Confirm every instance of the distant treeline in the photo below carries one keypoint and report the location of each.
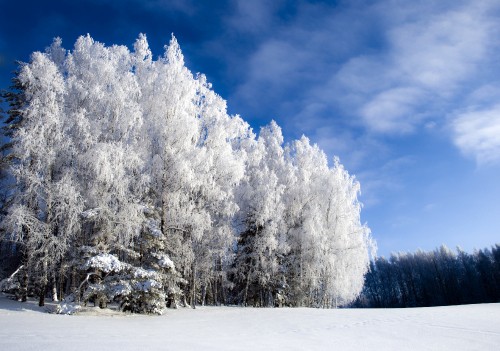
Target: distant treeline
(438, 278)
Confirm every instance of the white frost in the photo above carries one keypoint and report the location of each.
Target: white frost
(105, 263)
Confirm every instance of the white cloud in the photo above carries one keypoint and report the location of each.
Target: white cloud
(273, 69)
(427, 58)
(378, 182)
(356, 150)
(393, 110)
(485, 95)
(477, 134)
(253, 16)
(439, 50)
(363, 75)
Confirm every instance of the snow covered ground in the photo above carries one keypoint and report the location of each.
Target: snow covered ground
(472, 327)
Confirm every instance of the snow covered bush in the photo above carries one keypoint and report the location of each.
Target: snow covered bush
(136, 289)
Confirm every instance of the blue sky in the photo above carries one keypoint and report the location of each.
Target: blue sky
(406, 93)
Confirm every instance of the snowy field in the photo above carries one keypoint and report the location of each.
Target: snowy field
(471, 327)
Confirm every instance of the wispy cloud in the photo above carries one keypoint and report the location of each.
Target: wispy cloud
(393, 110)
(477, 134)
(438, 50)
(385, 178)
(427, 59)
(254, 16)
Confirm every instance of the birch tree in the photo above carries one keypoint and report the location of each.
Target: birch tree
(261, 242)
(44, 215)
(134, 161)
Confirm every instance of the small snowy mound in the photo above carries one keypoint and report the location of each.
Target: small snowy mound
(66, 308)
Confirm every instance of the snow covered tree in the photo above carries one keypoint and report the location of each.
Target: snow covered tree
(44, 212)
(261, 243)
(14, 98)
(194, 163)
(329, 247)
(134, 185)
(104, 100)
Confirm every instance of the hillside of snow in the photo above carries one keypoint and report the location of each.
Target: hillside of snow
(25, 326)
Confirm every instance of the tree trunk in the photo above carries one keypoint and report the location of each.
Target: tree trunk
(193, 287)
(223, 292)
(216, 298)
(54, 288)
(24, 286)
(246, 290)
(23, 291)
(61, 284)
(44, 280)
(43, 290)
(203, 294)
(74, 285)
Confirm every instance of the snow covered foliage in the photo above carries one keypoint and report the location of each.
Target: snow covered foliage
(135, 185)
(136, 289)
(104, 262)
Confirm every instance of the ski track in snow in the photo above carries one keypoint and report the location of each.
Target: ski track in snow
(25, 326)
